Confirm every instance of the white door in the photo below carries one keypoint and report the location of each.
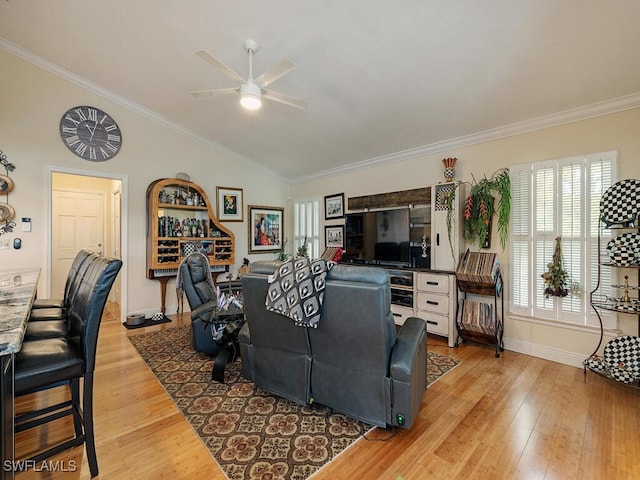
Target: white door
(77, 223)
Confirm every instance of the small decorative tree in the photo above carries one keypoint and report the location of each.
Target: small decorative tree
(556, 278)
(281, 255)
(303, 250)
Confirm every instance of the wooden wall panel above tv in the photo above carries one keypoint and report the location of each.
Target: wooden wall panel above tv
(391, 199)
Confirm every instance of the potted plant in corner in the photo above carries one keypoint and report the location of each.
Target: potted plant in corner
(480, 207)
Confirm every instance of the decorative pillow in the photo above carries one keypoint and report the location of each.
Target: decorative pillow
(296, 290)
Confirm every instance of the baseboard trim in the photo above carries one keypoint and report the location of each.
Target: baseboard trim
(549, 353)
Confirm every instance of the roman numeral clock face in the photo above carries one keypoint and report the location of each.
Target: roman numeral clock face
(90, 133)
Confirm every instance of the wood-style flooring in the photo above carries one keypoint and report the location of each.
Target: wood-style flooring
(513, 417)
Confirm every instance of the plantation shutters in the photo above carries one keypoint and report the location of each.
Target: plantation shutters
(306, 224)
(551, 199)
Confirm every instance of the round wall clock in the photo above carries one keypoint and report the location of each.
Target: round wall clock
(90, 133)
(6, 184)
(6, 213)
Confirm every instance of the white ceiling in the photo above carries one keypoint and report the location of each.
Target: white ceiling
(383, 79)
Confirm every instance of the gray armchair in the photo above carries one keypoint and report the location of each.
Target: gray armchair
(194, 279)
(355, 361)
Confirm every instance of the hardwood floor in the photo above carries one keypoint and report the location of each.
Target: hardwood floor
(513, 417)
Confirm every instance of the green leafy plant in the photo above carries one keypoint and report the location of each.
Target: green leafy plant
(281, 255)
(480, 207)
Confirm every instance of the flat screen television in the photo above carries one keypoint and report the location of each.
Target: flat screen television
(380, 237)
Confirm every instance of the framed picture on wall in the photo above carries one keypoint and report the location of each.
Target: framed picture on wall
(334, 236)
(265, 229)
(334, 206)
(229, 204)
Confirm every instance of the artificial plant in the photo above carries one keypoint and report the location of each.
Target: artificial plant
(281, 255)
(479, 208)
(303, 250)
(556, 278)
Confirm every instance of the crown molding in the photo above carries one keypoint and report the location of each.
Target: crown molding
(619, 104)
(568, 116)
(65, 74)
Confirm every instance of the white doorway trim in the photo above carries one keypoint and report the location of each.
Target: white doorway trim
(49, 171)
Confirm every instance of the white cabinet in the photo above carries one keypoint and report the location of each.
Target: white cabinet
(445, 253)
(435, 295)
(400, 313)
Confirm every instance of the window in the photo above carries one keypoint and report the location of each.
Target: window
(306, 225)
(559, 198)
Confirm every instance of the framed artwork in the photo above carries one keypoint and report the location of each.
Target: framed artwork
(229, 204)
(334, 236)
(265, 229)
(334, 206)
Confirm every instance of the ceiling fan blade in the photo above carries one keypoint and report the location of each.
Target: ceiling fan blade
(209, 58)
(211, 93)
(286, 99)
(275, 72)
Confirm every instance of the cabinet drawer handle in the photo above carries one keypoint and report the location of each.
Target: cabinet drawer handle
(432, 283)
(431, 302)
(431, 322)
(397, 315)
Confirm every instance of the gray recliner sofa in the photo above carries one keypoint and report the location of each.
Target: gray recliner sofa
(355, 362)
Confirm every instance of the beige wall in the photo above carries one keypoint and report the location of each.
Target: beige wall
(611, 132)
(33, 100)
(31, 103)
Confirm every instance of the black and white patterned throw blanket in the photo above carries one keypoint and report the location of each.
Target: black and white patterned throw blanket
(296, 290)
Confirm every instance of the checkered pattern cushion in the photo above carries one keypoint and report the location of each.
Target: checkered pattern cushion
(620, 203)
(620, 361)
(624, 249)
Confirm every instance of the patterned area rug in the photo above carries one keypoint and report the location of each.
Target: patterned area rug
(251, 433)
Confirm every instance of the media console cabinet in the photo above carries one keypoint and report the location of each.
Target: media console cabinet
(419, 291)
(427, 294)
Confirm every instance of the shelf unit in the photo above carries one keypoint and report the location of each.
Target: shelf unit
(627, 303)
(181, 221)
(477, 319)
(402, 294)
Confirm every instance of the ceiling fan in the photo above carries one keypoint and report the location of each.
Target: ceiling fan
(251, 90)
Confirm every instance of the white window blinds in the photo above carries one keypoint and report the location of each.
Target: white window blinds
(559, 198)
(306, 225)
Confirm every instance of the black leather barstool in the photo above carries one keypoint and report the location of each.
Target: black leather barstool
(56, 362)
(52, 322)
(53, 308)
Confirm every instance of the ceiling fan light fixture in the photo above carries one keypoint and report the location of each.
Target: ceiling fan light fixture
(250, 96)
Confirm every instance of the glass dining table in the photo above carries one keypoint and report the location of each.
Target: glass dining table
(17, 290)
